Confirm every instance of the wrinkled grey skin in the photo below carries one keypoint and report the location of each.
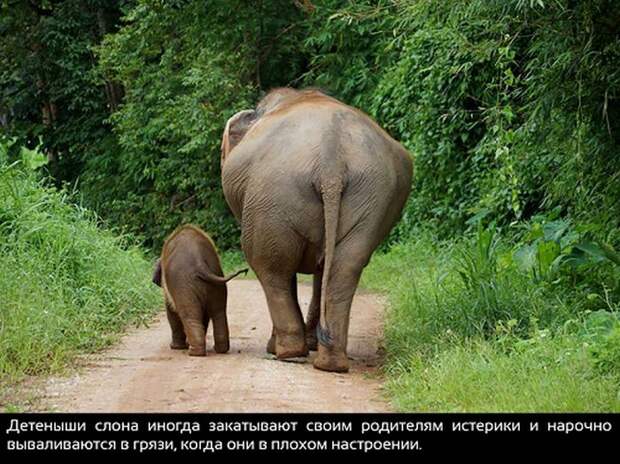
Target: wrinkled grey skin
(316, 186)
(191, 277)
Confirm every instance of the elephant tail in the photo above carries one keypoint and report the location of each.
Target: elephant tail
(331, 192)
(209, 277)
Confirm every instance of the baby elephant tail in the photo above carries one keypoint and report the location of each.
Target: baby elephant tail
(211, 278)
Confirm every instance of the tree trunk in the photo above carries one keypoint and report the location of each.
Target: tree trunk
(113, 90)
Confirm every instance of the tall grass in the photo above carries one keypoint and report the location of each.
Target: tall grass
(67, 286)
(467, 331)
(550, 375)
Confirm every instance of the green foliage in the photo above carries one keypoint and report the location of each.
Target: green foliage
(508, 106)
(438, 296)
(469, 329)
(602, 334)
(185, 67)
(48, 90)
(546, 375)
(607, 353)
(170, 74)
(178, 94)
(564, 256)
(68, 286)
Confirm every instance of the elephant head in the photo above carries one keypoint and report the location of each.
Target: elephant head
(238, 125)
(236, 128)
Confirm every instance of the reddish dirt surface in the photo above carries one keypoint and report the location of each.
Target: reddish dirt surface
(141, 374)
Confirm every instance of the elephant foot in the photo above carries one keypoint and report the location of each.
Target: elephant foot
(271, 345)
(288, 354)
(178, 345)
(197, 351)
(331, 361)
(221, 347)
(290, 346)
(298, 360)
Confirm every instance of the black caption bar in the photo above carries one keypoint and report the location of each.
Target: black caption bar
(216, 434)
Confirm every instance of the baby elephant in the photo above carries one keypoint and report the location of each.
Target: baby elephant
(190, 274)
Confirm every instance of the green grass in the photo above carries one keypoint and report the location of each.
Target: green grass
(232, 261)
(67, 285)
(466, 331)
(554, 375)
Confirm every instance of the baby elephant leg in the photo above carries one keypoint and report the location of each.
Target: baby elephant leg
(196, 335)
(215, 309)
(190, 313)
(179, 341)
(220, 332)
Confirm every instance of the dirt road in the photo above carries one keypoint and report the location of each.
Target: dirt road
(143, 374)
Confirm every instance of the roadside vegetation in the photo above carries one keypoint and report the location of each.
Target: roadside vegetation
(68, 286)
(481, 325)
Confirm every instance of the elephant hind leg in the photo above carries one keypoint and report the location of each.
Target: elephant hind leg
(275, 251)
(286, 316)
(196, 335)
(349, 260)
(220, 332)
(190, 312)
(312, 318)
(179, 341)
(214, 309)
(271, 344)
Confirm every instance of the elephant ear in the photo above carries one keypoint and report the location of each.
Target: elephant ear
(236, 128)
(157, 273)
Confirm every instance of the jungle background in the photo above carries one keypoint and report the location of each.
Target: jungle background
(503, 276)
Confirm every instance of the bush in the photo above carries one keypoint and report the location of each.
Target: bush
(186, 67)
(461, 288)
(606, 353)
(548, 374)
(469, 329)
(507, 106)
(68, 286)
(601, 333)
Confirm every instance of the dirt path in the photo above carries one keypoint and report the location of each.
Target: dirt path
(142, 374)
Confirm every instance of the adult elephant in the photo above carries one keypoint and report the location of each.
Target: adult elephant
(316, 186)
